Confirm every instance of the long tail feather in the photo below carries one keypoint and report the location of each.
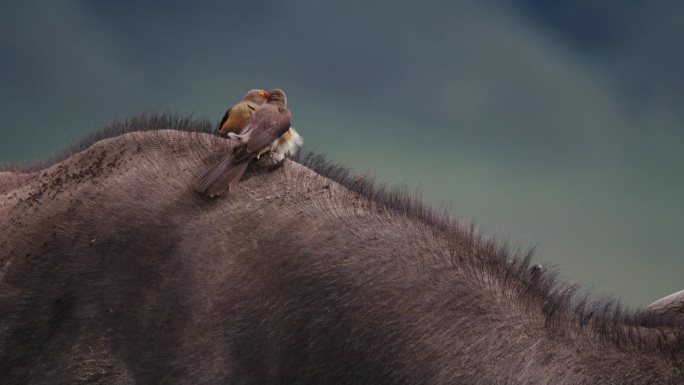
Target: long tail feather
(223, 175)
(236, 173)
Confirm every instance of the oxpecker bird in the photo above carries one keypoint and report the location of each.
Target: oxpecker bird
(266, 126)
(236, 117)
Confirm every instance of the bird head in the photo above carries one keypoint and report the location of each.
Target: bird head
(256, 96)
(277, 97)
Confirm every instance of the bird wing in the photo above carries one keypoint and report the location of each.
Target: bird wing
(225, 117)
(268, 124)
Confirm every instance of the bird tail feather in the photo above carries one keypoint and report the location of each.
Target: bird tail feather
(223, 175)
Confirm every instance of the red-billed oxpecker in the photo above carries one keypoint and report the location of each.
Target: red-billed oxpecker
(268, 123)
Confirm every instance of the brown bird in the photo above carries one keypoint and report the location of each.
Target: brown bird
(268, 123)
(236, 117)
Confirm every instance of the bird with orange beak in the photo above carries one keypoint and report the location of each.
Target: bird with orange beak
(268, 124)
(236, 117)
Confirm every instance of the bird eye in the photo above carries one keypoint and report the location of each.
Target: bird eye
(262, 94)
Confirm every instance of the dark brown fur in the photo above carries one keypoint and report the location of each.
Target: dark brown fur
(113, 270)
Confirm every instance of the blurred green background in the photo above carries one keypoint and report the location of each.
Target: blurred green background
(549, 123)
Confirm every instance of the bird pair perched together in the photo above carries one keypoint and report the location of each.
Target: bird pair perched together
(259, 124)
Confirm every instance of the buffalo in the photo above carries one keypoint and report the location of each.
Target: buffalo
(114, 270)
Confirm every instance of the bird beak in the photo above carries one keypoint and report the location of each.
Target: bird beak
(266, 95)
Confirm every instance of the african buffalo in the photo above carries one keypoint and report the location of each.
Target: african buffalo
(113, 270)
